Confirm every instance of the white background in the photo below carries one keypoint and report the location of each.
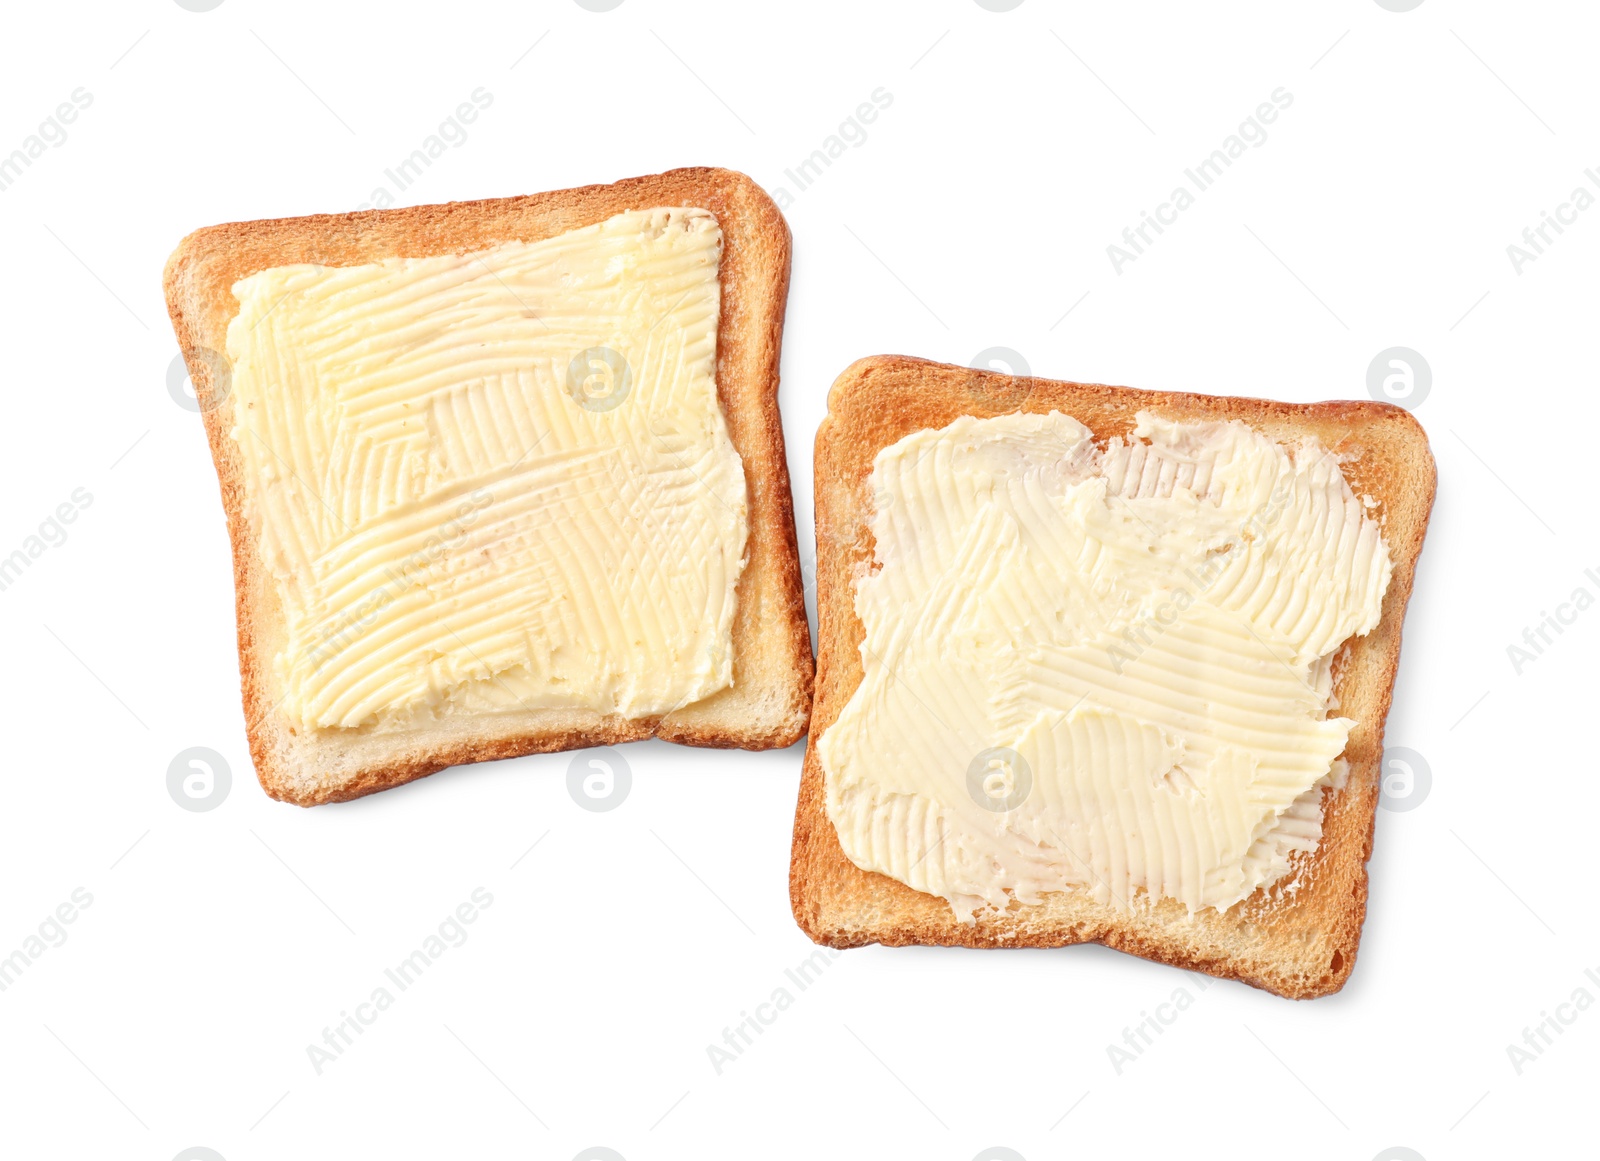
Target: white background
(178, 1010)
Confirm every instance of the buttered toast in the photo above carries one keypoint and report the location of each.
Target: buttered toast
(1103, 665)
(502, 477)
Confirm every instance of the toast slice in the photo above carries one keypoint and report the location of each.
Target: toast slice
(768, 702)
(1296, 937)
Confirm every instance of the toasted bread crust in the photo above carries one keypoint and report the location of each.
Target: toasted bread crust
(1297, 938)
(773, 668)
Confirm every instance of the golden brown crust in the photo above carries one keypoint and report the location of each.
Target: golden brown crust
(1298, 938)
(771, 698)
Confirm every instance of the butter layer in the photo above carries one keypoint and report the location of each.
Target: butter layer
(1093, 670)
(495, 481)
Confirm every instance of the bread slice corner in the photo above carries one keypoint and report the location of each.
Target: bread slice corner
(769, 704)
(1297, 938)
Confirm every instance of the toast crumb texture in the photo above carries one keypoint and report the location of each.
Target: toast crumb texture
(1297, 938)
(769, 702)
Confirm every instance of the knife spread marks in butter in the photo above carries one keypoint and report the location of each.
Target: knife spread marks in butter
(1099, 670)
(494, 481)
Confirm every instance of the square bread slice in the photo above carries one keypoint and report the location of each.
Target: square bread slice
(1297, 937)
(768, 702)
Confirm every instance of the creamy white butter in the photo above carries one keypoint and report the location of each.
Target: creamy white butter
(498, 480)
(1097, 670)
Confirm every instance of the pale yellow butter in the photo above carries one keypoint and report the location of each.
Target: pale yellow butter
(495, 481)
(1093, 670)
